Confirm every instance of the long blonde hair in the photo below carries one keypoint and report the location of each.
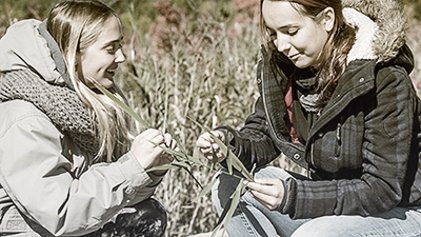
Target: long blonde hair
(75, 25)
(332, 61)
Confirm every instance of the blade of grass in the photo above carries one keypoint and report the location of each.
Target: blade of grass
(163, 167)
(136, 116)
(207, 188)
(185, 165)
(230, 207)
(121, 104)
(231, 159)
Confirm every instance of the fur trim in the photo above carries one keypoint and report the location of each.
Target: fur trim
(363, 47)
(390, 19)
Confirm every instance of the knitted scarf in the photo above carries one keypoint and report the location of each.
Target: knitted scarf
(59, 103)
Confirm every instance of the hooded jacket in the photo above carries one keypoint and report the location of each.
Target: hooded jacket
(44, 176)
(362, 150)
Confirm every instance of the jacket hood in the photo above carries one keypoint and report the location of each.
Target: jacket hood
(28, 45)
(383, 37)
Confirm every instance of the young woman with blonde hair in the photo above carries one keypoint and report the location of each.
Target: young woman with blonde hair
(69, 165)
(336, 98)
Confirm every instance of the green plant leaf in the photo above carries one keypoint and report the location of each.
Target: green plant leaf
(122, 105)
(235, 201)
(163, 167)
(142, 122)
(230, 207)
(231, 159)
(208, 187)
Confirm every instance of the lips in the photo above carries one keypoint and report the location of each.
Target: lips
(293, 57)
(111, 72)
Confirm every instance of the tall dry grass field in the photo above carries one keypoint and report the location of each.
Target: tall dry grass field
(189, 59)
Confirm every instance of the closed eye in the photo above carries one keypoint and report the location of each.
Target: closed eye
(272, 34)
(292, 31)
(113, 47)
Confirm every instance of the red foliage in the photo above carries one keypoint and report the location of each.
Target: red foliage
(167, 23)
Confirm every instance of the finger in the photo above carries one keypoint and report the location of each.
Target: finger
(202, 142)
(215, 147)
(218, 134)
(212, 149)
(266, 200)
(167, 139)
(261, 188)
(209, 156)
(166, 158)
(149, 134)
(157, 141)
(220, 155)
(266, 181)
(207, 150)
(159, 138)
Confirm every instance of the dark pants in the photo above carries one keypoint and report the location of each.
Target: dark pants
(145, 219)
(148, 220)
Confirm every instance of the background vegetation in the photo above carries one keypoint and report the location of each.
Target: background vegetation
(193, 58)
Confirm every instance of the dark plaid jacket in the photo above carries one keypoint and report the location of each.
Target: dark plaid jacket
(363, 150)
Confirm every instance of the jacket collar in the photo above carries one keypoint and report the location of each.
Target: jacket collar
(358, 80)
(55, 53)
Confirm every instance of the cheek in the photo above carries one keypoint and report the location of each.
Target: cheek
(319, 40)
(88, 67)
(91, 66)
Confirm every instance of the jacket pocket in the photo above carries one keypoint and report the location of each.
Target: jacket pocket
(339, 147)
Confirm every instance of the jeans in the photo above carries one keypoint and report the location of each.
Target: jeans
(253, 219)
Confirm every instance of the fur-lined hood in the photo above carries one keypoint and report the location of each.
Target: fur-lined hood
(388, 35)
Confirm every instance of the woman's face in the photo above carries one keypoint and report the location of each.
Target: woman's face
(297, 36)
(100, 60)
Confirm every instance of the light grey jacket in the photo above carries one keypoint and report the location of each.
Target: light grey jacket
(42, 173)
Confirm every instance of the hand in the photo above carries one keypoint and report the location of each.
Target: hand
(208, 146)
(148, 153)
(269, 192)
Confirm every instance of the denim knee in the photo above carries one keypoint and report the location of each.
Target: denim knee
(328, 226)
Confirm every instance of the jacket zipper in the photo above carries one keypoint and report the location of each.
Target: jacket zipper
(270, 122)
(265, 107)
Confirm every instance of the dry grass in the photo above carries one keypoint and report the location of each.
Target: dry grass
(181, 63)
(207, 75)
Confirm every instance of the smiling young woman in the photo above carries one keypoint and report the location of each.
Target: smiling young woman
(70, 165)
(336, 98)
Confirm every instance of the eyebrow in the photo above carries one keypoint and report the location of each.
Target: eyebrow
(285, 27)
(114, 41)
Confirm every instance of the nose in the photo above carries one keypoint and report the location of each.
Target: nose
(119, 56)
(282, 44)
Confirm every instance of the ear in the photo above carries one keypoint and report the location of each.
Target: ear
(328, 18)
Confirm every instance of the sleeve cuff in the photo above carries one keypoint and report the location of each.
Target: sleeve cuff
(133, 172)
(288, 201)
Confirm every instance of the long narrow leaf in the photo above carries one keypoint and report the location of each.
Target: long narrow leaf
(163, 167)
(235, 201)
(234, 161)
(181, 157)
(122, 105)
(182, 163)
(207, 188)
(230, 207)
(230, 157)
(139, 119)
